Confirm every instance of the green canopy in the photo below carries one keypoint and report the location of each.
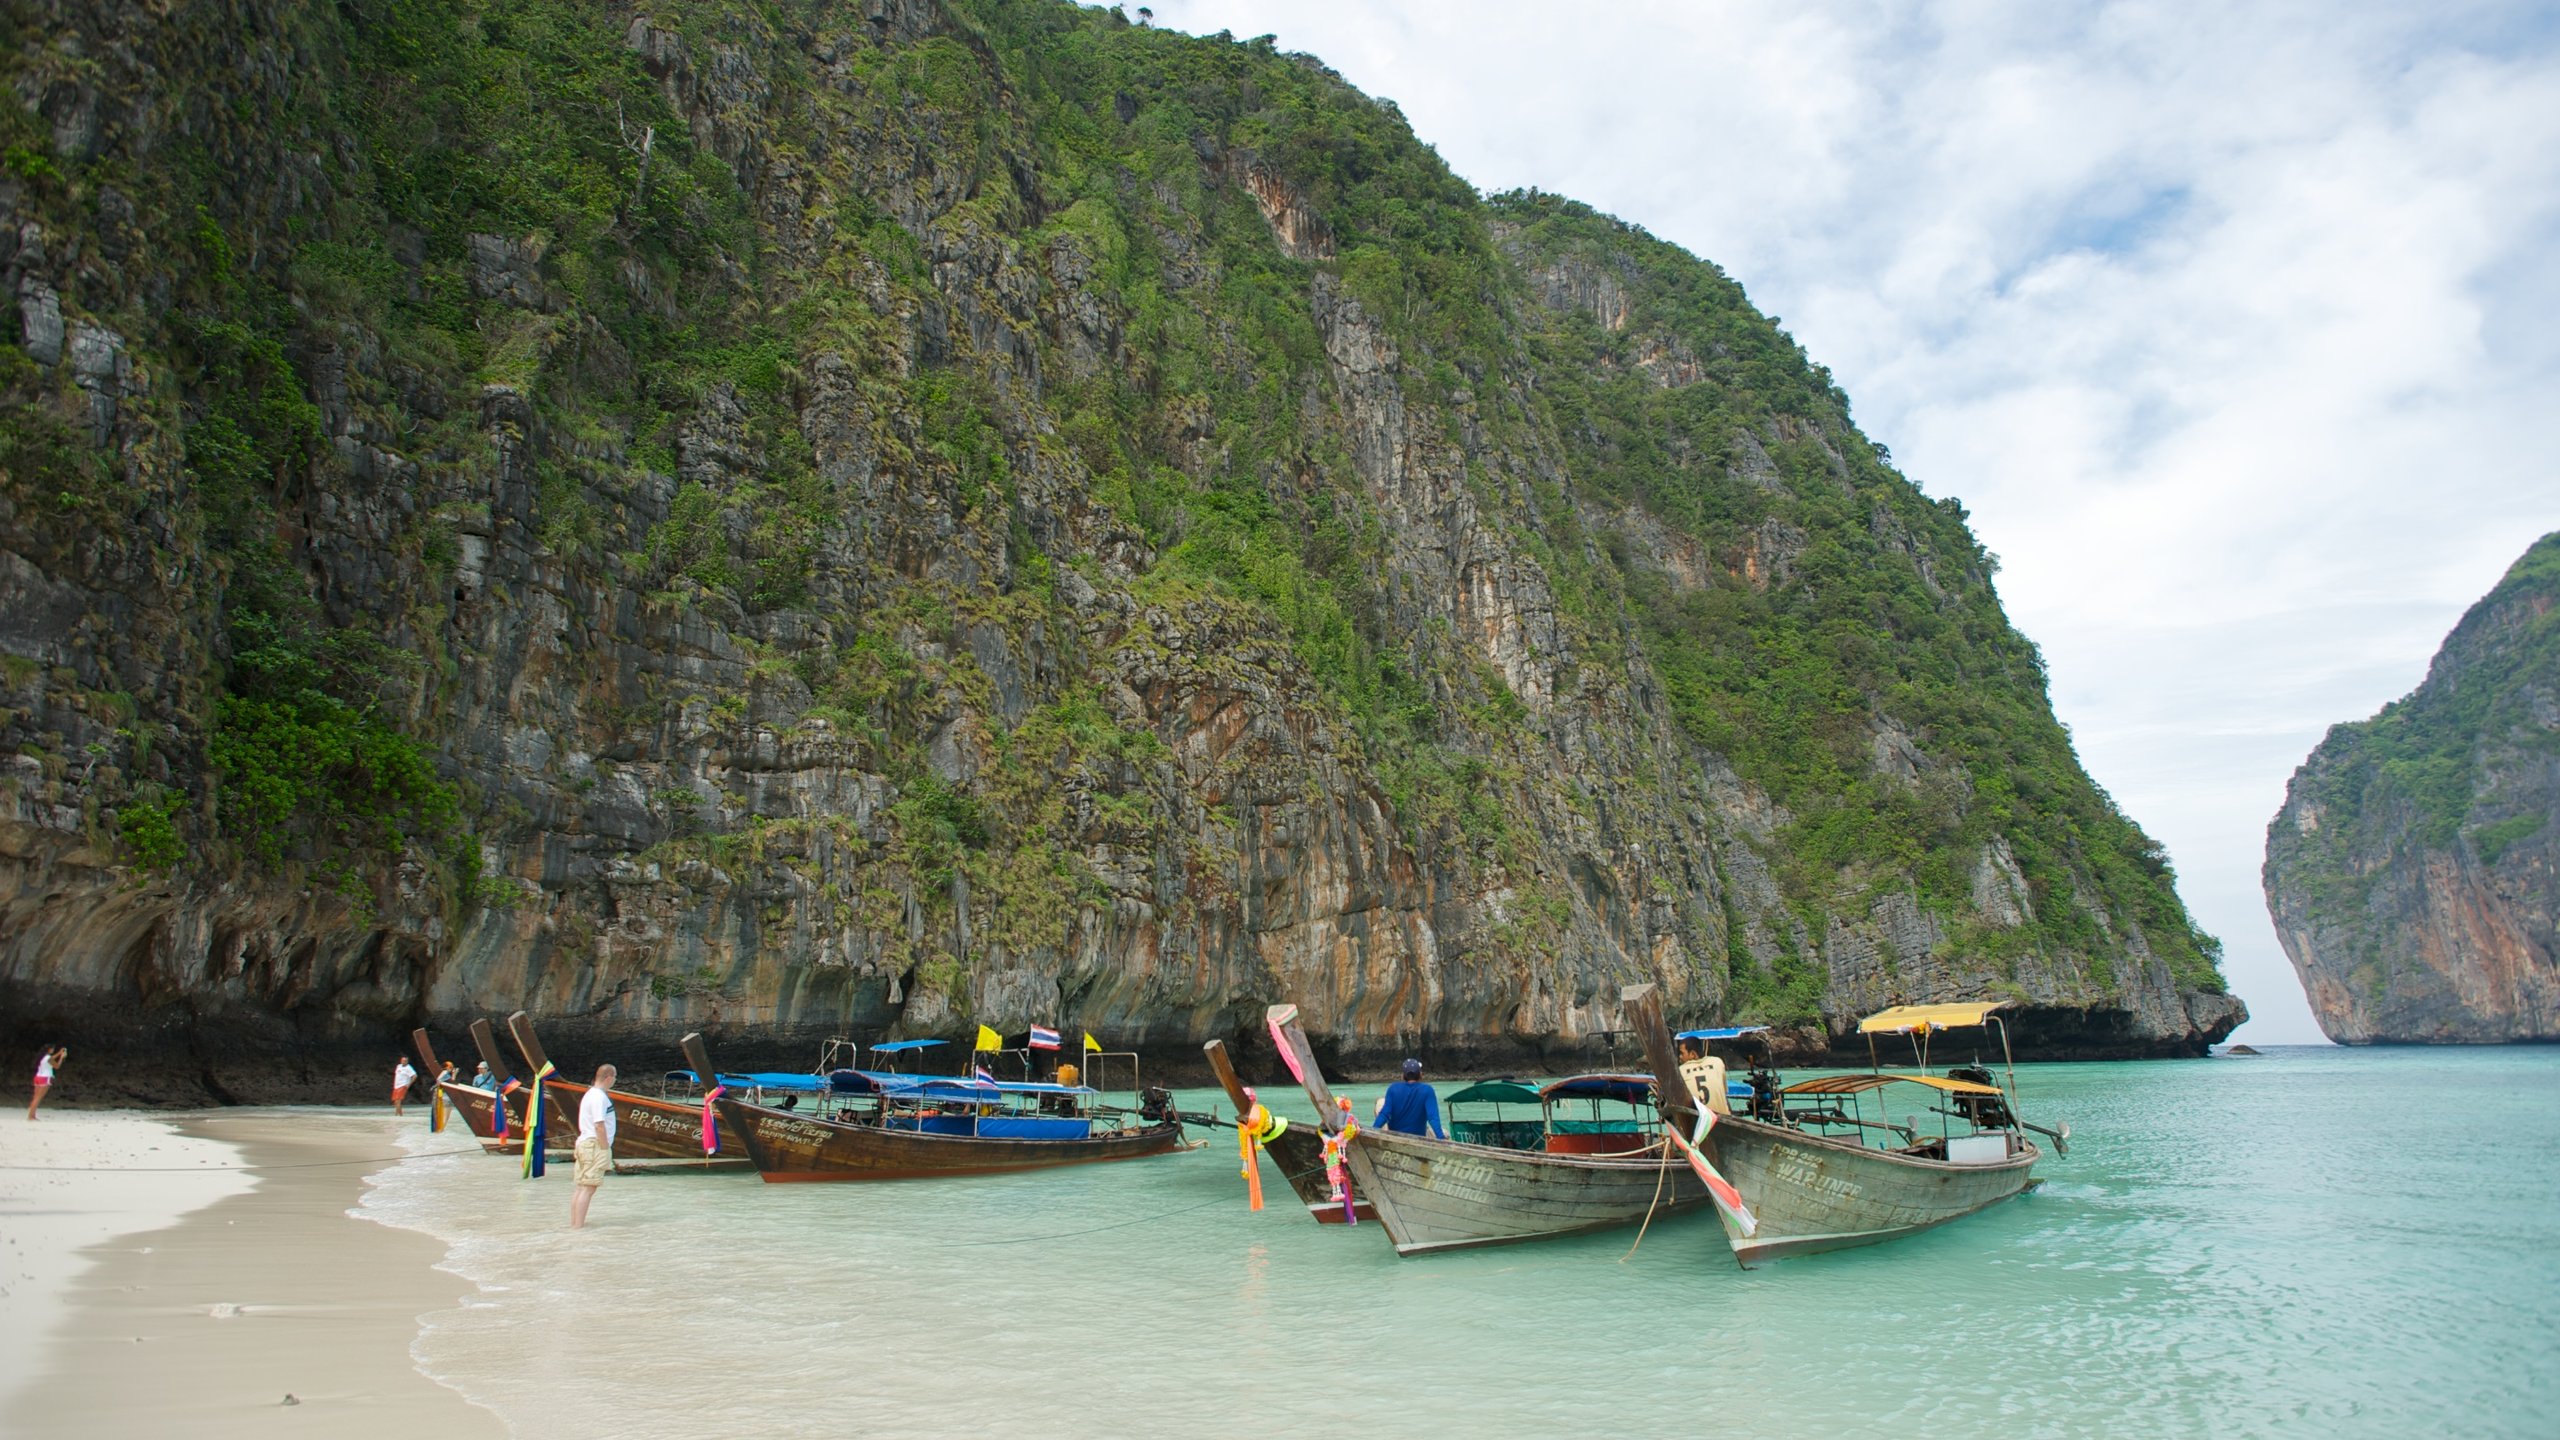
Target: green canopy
(1505, 1092)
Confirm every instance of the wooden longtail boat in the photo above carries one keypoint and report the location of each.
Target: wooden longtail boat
(1809, 1190)
(1298, 1150)
(512, 1094)
(476, 1108)
(1433, 1194)
(904, 1127)
(649, 1133)
(480, 1108)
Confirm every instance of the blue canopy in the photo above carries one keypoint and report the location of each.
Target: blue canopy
(776, 1080)
(1726, 1033)
(1626, 1089)
(961, 1088)
(894, 1046)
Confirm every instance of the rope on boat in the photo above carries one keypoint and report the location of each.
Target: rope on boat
(1658, 1177)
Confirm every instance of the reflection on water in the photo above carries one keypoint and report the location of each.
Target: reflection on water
(2361, 1242)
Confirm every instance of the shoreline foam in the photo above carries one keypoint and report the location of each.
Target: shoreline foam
(201, 1322)
(70, 1184)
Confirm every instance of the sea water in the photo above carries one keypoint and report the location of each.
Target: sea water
(2316, 1241)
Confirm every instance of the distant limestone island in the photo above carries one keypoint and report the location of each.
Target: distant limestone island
(2414, 871)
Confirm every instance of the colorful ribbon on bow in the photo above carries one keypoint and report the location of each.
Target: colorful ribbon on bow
(1729, 1207)
(1337, 1147)
(533, 1119)
(435, 1110)
(1288, 1052)
(1258, 1127)
(710, 1126)
(505, 1122)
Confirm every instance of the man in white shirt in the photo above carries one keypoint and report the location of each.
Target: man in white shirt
(594, 1150)
(403, 1075)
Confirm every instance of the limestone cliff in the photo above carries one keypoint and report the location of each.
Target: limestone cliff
(868, 518)
(2414, 871)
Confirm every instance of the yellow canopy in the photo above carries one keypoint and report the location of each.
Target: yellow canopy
(1854, 1084)
(1903, 1018)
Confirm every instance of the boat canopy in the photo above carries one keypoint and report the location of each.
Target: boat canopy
(895, 1046)
(1629, 1089)
(775, 1080)
(1903, 1019)
(1725, 1032)
(1499, 1092)
(1858, 1084)
(900, 1087)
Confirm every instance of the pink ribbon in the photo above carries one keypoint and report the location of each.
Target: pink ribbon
(1288, 1052)
(710, 1127)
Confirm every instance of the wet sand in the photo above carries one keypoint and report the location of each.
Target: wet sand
(201, 1327)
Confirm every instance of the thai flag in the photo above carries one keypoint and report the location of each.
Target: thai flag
(981, 1072)
(1043, 1039)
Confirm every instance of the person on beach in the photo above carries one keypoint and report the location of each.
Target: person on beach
(594, 1150)
(403, 1075)
(46, 1061)
(1410, 1107)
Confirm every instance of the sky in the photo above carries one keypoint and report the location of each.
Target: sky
(2235, 325)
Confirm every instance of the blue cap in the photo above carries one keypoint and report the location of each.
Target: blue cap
(1412, 1068)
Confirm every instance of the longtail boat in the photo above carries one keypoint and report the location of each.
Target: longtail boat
(1297, 1150)
(511, 1092)
(1433, 1194)
(476, 1108)
(874, 1125)
(652, 1133)
(1816, 1171)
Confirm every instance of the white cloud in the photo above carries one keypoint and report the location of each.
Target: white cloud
(2231, 324)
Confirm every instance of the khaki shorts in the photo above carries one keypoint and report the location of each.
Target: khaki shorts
(595, 1161)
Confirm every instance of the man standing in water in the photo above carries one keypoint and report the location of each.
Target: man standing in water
(1410, 1107)
(403, 1075)
(596, 1127)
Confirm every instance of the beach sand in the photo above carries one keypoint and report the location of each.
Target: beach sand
(200, 1323)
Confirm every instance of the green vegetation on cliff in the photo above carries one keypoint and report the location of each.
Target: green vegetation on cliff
(2418, 768)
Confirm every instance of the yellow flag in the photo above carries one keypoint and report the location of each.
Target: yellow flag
(989, 1040)
(1092, 1044)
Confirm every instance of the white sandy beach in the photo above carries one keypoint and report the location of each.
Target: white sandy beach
(181, 1274)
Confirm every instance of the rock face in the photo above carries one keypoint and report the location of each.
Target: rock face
(874, 518)
(2414, 872)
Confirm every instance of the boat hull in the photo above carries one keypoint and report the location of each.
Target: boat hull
(1809, 1193)
(657, 1134)
(1299, 1152)
(788, 1147)
(478, 1111)
(1442, 1195)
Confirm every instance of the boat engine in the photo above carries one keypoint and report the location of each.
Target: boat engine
(1765, 1104)
(1155, 1105)
(1987, 1112)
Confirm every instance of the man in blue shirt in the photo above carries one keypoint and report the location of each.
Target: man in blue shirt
(1410, 1107)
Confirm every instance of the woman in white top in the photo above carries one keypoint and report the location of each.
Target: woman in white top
(46, 1060)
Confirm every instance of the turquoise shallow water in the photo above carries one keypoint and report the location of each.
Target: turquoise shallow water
(2317, 1241)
